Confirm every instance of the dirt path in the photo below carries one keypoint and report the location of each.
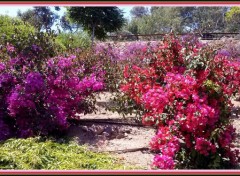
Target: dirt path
(236, 121)
(128, 143)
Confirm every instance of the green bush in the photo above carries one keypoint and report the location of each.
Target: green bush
(74, 40)
(14, 30)
(37, 153)
(21, 35)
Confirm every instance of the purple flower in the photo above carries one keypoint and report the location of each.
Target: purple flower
(224, 52)
(2, 66)
(61, 118)
(50, 63)
(18, 103)
(98, 86)
(34, 82)
(65, 62)
(5, 131)
(41, 101)
(6, 79)
(10, 48)
(14, 61)
(36, 48)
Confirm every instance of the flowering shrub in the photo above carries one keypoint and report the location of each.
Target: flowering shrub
(115, 57)
(126, 51)
(228, 47)
(39, 96)
(185, 91)
(22, 36)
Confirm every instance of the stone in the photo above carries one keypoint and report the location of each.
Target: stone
(120, 135)
(85, 128)
(128, 131)
(99, 130)
(108, 129)
(106, 134)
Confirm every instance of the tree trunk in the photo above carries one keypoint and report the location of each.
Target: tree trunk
(92, 37)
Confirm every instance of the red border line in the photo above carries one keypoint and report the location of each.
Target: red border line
(137, 172)
(89, 3)
(120, 172)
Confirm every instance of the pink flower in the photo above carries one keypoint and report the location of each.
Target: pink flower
(204, 147)
(227, 136)
(2, 66)
(163, 162)
(10, 48)
(165, 142)
(155, 99)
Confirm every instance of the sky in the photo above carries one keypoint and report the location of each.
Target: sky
(12, 10)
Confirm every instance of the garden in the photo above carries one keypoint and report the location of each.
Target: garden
(71, 103)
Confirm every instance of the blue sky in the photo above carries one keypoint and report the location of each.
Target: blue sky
(11, 10)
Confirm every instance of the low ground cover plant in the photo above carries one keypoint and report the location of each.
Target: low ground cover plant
(39, 153)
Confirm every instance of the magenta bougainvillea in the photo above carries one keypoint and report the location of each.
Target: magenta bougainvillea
(39, 96)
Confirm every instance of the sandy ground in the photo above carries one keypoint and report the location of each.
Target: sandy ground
(109, 138)
(236, 121)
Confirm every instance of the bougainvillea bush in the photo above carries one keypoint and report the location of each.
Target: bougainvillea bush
(185, 92)
(115, 57)
(126, 51)
(227, 46)
(39, 94)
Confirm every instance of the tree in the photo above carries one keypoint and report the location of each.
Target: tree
(233, 19)
(182, 20)
(97, 20)
(167, 19)
(14, 31)
(133, 26)
(161, 20)
(139, 11)
(203, 19)
(67, 25)
(40, 17)
(186, 14)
